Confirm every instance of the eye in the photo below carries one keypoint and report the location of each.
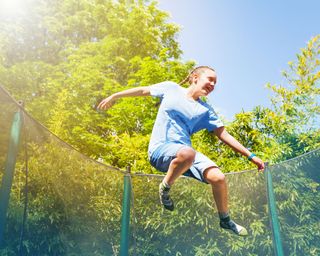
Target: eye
(211, 79)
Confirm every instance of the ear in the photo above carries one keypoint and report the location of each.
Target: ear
(195, 78)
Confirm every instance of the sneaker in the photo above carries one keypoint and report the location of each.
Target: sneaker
(231, 225)
(165, 199)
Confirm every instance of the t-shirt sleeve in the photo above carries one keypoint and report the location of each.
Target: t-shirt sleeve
(159, 90)
(214, 121)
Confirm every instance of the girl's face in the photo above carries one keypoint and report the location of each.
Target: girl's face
(205, 81)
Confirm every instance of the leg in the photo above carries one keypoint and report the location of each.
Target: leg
(180, 164)
(216, 178)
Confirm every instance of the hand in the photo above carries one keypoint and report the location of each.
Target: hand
(258, 162)
(106, 103)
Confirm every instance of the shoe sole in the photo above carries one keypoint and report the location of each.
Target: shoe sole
(242, 233)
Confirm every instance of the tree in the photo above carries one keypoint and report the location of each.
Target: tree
(294, 119)
(83, 51)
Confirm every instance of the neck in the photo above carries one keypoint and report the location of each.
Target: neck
(192, 93)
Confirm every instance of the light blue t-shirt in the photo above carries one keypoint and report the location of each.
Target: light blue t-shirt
(179, 116)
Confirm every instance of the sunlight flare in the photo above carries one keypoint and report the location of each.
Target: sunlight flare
(11, 8)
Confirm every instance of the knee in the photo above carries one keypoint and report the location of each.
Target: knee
(215, 176)
(186, 155)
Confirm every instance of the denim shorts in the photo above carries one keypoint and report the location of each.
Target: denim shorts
(165, 153)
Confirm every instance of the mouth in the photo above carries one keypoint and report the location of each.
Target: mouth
(208, 89)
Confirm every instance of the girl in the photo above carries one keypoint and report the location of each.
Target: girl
(182, 113)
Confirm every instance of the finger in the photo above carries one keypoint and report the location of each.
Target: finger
(101, 104)
(106, 105)
(261, 168)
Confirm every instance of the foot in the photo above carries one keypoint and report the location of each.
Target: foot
(165, 199)
(231, 225)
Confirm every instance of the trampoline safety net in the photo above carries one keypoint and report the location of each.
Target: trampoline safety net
(61, 202)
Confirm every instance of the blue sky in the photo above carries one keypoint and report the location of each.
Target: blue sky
(248, 42)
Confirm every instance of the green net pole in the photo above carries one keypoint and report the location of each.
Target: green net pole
(125, 218)
(273, 214)
(9, 170)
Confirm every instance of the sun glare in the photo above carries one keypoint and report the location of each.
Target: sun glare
(11, 8)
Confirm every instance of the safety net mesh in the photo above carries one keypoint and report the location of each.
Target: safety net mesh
(193, 227)
(296, 185)
(74, 204)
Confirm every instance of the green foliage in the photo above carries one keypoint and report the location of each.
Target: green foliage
(296, 111)
(193, 229)
(65, 190)
(244, 129)
(85, 51)
(67, 55)
(296, 186)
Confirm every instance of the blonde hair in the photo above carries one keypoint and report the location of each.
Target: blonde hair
(197, 70)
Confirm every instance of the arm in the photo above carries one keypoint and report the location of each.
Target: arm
(109, 101)
(226, 138)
